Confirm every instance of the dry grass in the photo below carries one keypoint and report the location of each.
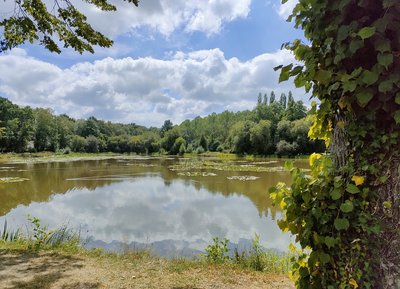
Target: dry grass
(23, 269)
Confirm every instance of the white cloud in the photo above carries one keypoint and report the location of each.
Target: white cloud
(144, 90)
(167, 16)
(284, 10)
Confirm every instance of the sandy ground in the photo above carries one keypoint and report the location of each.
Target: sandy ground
(47, 270)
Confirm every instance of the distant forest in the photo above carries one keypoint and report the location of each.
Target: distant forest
(274, 126)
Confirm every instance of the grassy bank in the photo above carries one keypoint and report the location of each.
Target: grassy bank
(55, 259)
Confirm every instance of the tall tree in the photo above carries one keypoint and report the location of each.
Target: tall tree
(51, 23)
(259, 98)
(283, 100)
(272, 97)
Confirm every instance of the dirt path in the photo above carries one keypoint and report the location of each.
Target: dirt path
(46, 270)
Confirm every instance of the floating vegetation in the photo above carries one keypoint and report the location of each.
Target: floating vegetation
(196, 174)
(243, 178)
(265, 163)
(141, 165)
(5, 169)
(12, 180)
(222, 166)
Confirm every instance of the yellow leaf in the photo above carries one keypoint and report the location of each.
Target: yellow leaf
(353, 283)
(358, 180)
(313, 158)
(282, 204)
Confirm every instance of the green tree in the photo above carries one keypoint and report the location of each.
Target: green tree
(272, 97)
(346, 210)
(240, 137)
(179, 144)
(167, 142)
(260, 137)
(46, 134)
(34, 21)
(166, 127)
(203, 143)
(259, 99)
(78, 143)
(283, 100)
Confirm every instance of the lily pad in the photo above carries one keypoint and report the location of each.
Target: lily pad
(243, 178)
(12, 180)
(196, 174)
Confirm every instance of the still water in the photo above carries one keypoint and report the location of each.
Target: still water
(162, 203)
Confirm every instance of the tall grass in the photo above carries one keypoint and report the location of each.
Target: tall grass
(8, 235)
(257, 258)
(40, 237)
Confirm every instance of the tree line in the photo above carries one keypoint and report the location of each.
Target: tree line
(274, 126)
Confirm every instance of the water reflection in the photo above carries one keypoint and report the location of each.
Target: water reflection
(139, 202)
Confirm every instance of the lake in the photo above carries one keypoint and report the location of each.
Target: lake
(173, 205)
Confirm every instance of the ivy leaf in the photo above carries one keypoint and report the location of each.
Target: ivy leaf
(352, 189)
(347, 206)
(383, 46)
(363, 98)
(369, 77)
(385, 59)
(341, 224)
(336, 194)
(397, 98)
(385, 86)
(367, 32)
(349, 86)
(323, 76)
(397, 117)
(330, 242)
(343, 33)
(324, 258)
(356, 44)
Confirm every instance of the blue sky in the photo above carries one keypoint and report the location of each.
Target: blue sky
(170, 60)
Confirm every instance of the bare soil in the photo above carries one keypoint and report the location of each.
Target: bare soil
(21, 269)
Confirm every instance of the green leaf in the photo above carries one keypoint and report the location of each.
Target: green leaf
(324, 258)
(363, 98)
(323, 76)
(385, 59)
(375, 229)
(369, 77)
(387, 204)
(347, 206)
(367, 32)
(341, 224)
(385, 86)
(356, 44)
(352, 189)
(288, 166)
(343, 33)
(397, 98)
(330, 242)
(383, 45)
(349, 86)
(285, 73)
(397, 117)
(336, 194)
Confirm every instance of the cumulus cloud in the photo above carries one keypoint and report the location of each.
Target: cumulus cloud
(167, 16)
(284, 10)
(145, 90)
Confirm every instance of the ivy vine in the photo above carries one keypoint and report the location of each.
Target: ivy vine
(345, 214)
